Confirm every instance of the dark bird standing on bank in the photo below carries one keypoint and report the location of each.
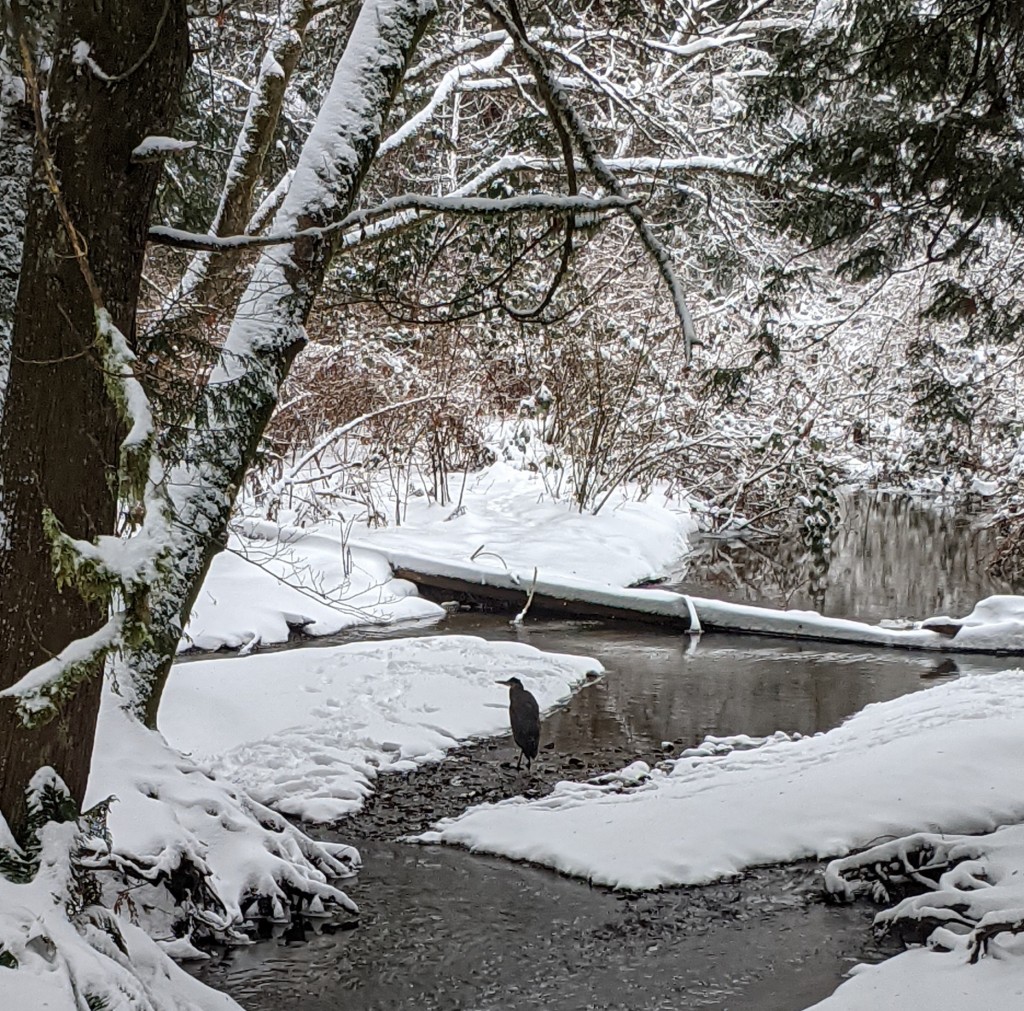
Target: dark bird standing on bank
(524, 714)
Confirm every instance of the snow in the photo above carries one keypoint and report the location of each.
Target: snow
(308, 731)
(158, 147)
(978, 884)
(938, 981)
(996, 622)
(61, 965)
(274, 579)
(81, 54)
(506, 520)
(152, 981)
(959, 749)
(34, 690)
(449, 82)
(169, 811)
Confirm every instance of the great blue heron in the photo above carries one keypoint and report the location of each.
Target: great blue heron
(524, 715)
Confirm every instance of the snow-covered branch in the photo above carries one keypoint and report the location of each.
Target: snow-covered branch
(599, 168)
(447, 86)
(46, 686)
(465, 206)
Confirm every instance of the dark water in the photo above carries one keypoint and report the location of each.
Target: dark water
(445, 929)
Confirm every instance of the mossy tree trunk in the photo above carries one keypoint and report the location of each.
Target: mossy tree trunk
(116, 78)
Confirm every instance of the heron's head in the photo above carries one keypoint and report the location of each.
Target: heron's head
(512, 683)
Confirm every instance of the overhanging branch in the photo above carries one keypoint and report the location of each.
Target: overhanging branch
(465, 206)
(584, 141)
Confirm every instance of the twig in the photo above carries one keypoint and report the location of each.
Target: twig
(521, 616)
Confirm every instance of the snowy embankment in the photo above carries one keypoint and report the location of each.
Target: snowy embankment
(930, 980)
(950, 758)
(275, 578)
(506, 522)
(972, 900)
(307, 731)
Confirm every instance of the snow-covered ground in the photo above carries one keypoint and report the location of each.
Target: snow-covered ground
(506, 518)
(934, 981)
(306, 731)
(272, 580)
(324, 578)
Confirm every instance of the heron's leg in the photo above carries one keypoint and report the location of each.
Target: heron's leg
(519, 761)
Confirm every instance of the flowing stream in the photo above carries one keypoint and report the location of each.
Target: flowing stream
(441, 928)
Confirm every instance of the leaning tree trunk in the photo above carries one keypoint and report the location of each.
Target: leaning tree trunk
(268, 328)
(211, 280)
(116, 78)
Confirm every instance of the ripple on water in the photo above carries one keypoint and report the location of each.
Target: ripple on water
(444, 929)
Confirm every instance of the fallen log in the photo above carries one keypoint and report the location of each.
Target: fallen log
(442, 588)
(468, 583)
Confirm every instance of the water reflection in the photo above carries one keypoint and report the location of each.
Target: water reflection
(891, 557)
(660, 687)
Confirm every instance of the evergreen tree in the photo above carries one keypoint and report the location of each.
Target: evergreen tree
(905, 142)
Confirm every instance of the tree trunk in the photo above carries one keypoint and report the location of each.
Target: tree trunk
(214, 281)
(268, 328)
(16, 134)
(116, 78)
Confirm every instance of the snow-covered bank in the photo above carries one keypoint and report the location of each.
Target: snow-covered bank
(936, 981)
(306, 731)
(967, 899)
(60, 950)
(275, 578)
(951, 757)
(508, 519)
(170, 816)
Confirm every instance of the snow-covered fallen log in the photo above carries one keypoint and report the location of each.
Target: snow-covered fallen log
(996, 625)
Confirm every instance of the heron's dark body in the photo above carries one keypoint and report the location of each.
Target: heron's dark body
(524, 715)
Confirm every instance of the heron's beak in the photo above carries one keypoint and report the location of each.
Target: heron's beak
(505, 683)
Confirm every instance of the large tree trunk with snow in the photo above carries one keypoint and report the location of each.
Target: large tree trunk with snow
(268, 329)
(116, 79)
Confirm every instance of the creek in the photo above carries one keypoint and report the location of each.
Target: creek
(441, 928)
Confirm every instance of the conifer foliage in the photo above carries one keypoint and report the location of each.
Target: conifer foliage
(905, 136)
